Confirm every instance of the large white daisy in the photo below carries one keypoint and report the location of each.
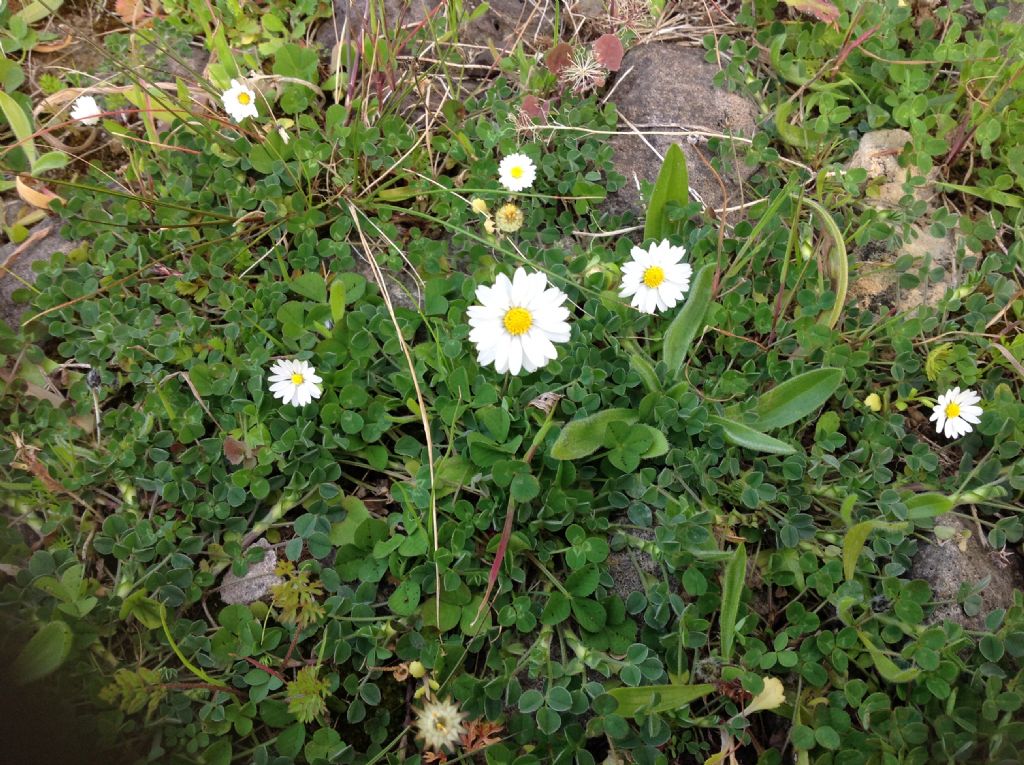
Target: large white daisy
(294, 382)
(655, 277)
(518, 322)
(86, 110)
(956, 412)
(239, 101)
(517, 172)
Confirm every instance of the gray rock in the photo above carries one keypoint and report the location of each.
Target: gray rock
(257, 581)
(875, 283)
(16, 266)
(670, 87)
(878, 153)
(945, 565)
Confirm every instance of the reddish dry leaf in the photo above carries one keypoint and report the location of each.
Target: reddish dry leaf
(535, 108)
(822, 10)
(558, 58)
(480, 734)
(234, 450)
(131, 11)
(608, 51)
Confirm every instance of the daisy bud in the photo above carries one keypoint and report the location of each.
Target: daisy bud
(416, 669)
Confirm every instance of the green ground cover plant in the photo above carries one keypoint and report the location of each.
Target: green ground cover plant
(529, 482)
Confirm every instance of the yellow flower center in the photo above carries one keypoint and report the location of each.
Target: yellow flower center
(440, 726)
(654, 276)
(516, 171)
(517, 321)
(244, 99)
(297, 379)
(952, 410)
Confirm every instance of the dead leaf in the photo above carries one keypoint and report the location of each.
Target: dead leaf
(546, 401)
(37, 198)
(131, 11)
(53, 47)
(235, 451)
(822, 10)
(535, 108)
(559, 57)
(608, 51)
(33, 390)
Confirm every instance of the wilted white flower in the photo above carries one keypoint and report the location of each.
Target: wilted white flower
(239, 101)
(294, 382)
(508, 218)
(518, 322)
(956, 412)
(772, 696)
(86, 110)
(517, 172)
(439, 724)
(655, 277)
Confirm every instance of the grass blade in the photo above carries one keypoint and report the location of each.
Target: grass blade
(732, 591)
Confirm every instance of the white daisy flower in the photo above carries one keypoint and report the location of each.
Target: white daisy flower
(86, 110)
(956, 412)
(239, 101)
(439, 724)
(518, 322)
(655, 277)
(294, 382)
(517, 172)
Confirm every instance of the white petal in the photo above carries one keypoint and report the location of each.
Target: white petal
(515, 356)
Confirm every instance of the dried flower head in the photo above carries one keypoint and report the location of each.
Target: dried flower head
(439, 724)
(583, 72)
(508, 218)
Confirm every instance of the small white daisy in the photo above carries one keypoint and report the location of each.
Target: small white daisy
(956, 412)
(239, 101)
(439, 724)
(86, 110)
(655, 277)
(294, 382)
(518, 322)
(517, 172)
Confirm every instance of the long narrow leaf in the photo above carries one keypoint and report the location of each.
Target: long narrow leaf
(673, 185)
(839, 264)
(732, 591)
(742, 435)
(20, 124)
(669, 697)
(689, 321)
(796, 398)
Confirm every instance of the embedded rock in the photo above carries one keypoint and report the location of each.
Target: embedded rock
(256, 582)
(875, 284)
(878, 153)
(16, 270)
(966, 559)
(669, 87)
